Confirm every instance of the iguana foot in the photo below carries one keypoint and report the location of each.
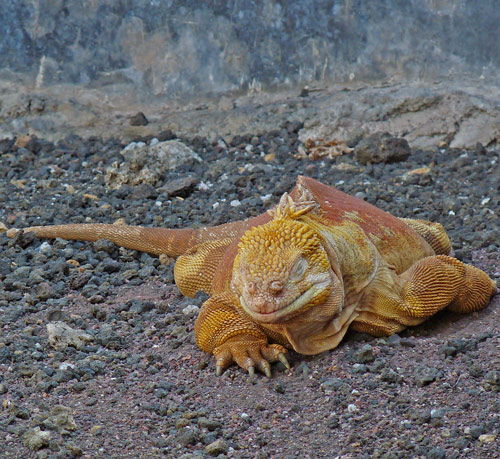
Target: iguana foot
(249, 352)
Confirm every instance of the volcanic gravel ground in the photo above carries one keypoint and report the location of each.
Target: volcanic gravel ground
(139, 386)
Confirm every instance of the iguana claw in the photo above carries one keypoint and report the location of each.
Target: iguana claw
(283, 360)
(219, 369)
(251, 371)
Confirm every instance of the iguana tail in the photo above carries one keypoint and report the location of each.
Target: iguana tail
(151, 240)
(157, 241)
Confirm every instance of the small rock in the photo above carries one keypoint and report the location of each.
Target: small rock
(421, 416)
(97, 429)
(74, 449)
(181, 187)
(279, 387)
(78, 280)
(36, 439)
(388, 375)
(180, 423)
(304, 92)
(426, 375)
(191, 310)
(22, 141)
(302, 369)
(144, 191)
(394, 340)
(148, 163)
(187, 436)
(476, 431)
(352, 408)
(492, 380)
(381, 148)
(487, 438)
(110, 266)
(105, 245)
(44, 291)
(437, 413)
(448, 351)
(365, 354)
(209, 424)
(436, 453)
(360, 368)
(332, 422)
(217, 447)
(167, 134)
(161, 442)
(331, 385)
(139, 119)
(46, 248)
(62, 335)
(62, 418)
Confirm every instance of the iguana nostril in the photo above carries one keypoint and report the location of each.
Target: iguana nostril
(276, 286)
(251, 287)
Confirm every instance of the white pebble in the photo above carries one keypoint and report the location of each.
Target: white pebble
(66, 365)
(202, 186)
(154, 141)
(191, 309)
(235, 203)
(45, 247)
(266, 197)
(130, 146)
(485, 201)
(215, 205)
(352, 408)
(451, 213)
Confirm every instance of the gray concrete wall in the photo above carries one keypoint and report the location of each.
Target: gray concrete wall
(191, 48)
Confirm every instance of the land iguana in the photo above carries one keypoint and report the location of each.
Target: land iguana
(298, 276)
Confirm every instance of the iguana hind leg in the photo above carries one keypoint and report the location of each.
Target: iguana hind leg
(430, 285)
(232, 338)
(434, 283)
(433, 233)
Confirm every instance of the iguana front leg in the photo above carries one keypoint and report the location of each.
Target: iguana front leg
(232, 338)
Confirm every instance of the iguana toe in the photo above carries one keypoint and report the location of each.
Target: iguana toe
(224, 358)
(265, 367)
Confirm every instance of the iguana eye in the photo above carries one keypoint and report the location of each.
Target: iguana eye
(298, 270)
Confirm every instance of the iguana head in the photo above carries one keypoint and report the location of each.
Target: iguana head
(281, 268)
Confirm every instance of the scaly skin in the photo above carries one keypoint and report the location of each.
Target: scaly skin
(298, 276)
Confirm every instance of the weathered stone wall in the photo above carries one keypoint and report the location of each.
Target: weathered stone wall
(188, 47)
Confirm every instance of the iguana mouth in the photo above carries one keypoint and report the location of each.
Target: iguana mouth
(297, 304)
